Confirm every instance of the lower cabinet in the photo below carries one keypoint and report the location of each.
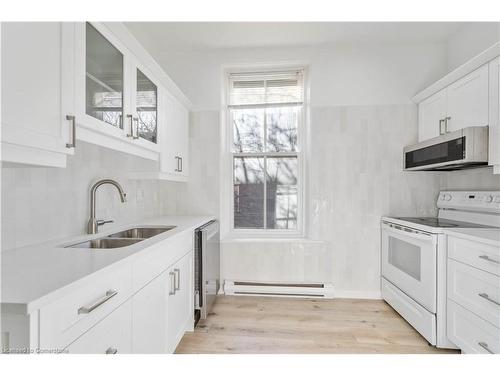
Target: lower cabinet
(180, 300)
(149, 317)
(112, 335)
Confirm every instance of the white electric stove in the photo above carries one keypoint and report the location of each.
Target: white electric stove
(413, 261)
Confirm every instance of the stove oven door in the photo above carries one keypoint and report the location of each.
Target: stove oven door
(409, 262)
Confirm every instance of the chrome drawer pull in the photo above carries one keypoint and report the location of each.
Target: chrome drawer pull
(485, 347)
(486, 257)
(487, 298)
(177, 284)
(109, 294)
(111, 350)
(172, 284)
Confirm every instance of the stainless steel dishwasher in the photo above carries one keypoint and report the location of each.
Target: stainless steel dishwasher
(207, 268)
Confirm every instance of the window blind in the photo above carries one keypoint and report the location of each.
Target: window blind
(254, 90)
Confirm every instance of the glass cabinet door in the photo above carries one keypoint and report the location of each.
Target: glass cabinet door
(104, 82)
(146, 107)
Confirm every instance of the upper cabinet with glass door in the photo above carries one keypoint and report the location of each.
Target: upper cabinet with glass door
(115, 103)
(144, 104)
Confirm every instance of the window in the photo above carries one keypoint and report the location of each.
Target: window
(265, 112)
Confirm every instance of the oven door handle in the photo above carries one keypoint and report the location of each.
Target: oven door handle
(413, 233)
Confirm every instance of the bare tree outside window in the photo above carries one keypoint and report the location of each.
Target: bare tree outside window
(265, 115)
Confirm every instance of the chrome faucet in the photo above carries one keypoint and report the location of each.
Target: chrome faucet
(93, 225)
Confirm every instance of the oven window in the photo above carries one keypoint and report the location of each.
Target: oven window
(405, 256)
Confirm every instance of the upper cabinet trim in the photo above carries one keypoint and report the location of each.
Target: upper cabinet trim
(145, 58)
(464, 69)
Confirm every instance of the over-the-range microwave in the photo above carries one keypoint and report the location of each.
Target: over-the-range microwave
(461, 149)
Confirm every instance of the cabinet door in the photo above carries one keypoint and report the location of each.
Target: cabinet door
(103, 91)
(144, 107)
(175, 139)
(33, 106)
(180, 300)
(431, 115)
(494, 113)
(468, 101)
(112, 335)
(149, 312)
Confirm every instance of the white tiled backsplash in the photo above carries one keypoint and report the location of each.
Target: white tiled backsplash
(40, 204)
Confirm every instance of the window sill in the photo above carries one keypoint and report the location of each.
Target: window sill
(269, 239)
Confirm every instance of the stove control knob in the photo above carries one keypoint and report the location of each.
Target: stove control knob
(488, 199)
(447, 197)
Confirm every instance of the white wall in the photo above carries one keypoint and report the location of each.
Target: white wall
(365, 74)
(40, 204)
(361, 117)
(470, 40)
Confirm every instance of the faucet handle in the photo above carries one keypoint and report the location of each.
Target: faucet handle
(102, 222)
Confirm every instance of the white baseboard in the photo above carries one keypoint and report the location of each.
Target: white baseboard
(358, 294)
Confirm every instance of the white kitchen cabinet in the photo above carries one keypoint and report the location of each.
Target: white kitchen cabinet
(431, 115)
(473, 292)
(104, 91)
(36, 93)
(112, 335)
(149, 317)
(144, 104)
(175, 142)
(180, 300)
(467, 101)
(462, 104)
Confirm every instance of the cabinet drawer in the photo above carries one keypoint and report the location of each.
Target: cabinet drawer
(476, 290)
(112, 335)
(469, 332)
(479, 255)
(64, 320)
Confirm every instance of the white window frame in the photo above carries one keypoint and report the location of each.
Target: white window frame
(228, 231)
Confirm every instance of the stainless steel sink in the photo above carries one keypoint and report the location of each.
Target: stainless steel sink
(141, 232)
(107, 243)
(124, 238)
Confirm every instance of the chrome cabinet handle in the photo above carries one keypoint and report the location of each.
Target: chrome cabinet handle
(111, 350)
(73, 131)
(181, 164)
(86, 310)
(177, 279)
(485, 347)
(172, 284)
(486, 257)
(441, 122)
(131, 134)
(446, 124)
(488, 298)
(177, 169)
(136, 135)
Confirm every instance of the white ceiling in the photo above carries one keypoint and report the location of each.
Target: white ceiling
(214, 35)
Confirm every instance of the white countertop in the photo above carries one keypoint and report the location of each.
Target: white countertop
(31, 273)
(490, 236)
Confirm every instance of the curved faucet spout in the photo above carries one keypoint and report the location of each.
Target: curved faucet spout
(93, 224)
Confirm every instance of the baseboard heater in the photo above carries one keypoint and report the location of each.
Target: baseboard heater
(313, 290)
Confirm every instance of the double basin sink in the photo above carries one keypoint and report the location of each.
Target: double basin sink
(123, 238)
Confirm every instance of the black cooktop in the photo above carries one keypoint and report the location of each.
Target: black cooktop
(441, 223)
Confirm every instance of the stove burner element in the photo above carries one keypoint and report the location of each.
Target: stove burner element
(441, 223)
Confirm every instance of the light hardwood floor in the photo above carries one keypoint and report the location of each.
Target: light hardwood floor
(245, 324)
